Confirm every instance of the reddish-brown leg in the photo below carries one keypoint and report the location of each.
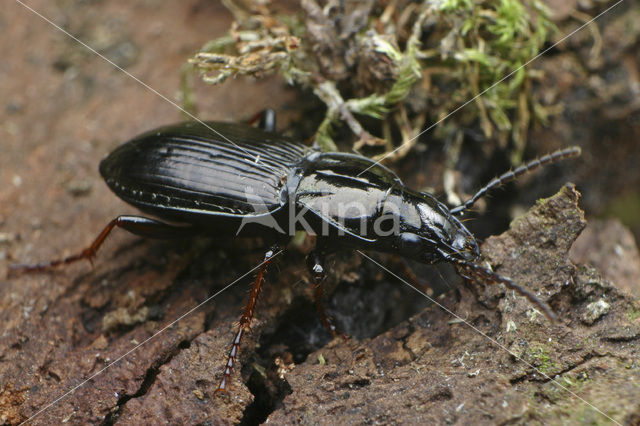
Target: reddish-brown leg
(314, 262)
(408, 273)
(266, 120)
(138, 225)
(245, 322)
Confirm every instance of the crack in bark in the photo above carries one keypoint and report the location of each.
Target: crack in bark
(149, 379)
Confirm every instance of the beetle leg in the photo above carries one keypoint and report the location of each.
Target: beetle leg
(142, 226)
(244, 325)
(266, 120)
(315, 262)
(410, 275)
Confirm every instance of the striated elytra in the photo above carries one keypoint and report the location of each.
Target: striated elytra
(186, 173)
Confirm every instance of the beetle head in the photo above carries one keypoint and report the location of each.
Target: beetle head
(427, 232)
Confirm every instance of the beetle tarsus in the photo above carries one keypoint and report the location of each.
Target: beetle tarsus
(244, 325)
(315, 264)
(26, 268)
(138, 225)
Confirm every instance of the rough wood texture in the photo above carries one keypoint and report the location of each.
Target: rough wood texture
(434, 369)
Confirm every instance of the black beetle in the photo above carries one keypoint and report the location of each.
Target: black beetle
(232, 179)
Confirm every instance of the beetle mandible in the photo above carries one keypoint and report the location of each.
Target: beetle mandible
(233, 179)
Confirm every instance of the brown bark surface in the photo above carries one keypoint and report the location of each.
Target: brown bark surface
(64, 109)
(504, 363)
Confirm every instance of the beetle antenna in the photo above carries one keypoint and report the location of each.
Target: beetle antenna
(495, 278)
(562, 154)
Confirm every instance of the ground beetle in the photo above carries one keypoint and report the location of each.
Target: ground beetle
(233, 179)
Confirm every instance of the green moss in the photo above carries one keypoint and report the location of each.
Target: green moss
(471, 46)
(541, 359)
(455, 5)
(633, 313)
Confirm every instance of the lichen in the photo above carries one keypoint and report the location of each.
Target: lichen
(595, 311)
